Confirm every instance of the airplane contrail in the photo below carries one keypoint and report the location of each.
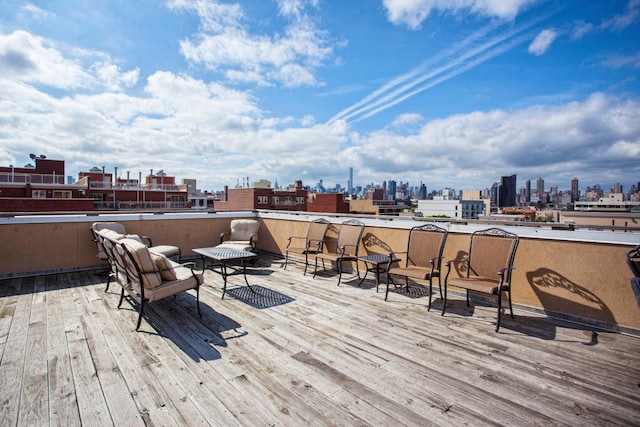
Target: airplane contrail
(445, 65)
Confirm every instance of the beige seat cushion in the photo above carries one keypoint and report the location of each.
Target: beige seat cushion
(238, 246)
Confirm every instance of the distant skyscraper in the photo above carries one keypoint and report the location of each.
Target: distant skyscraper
(528, 191)
(540, 186)
(507, 192)
(617, 188)
(575, 192)
(350, 183)
(391, 190)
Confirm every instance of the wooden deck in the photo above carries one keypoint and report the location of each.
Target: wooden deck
(301, 352)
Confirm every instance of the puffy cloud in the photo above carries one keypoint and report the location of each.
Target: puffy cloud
(36, 60)
(542, 42)
(413, 12)
(597, 135)
(226, 45)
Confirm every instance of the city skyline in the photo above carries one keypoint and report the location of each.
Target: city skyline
(453, 94)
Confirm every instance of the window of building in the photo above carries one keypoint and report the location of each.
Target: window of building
(287, 200)
(276, 200)
(39, 194)
(300, 200)
(59, 194)
(262, 200)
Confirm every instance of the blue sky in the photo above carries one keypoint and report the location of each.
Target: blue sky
(450, 93)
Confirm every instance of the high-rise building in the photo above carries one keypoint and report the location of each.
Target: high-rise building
(507, 192)
(528, 191)
(575, 192)
(350, 183)
(540, 186)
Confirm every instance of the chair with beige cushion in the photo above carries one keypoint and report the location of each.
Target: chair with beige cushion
(421, 260)
(167, 250)
(151, 276)
(242, 236)
(117, 231)
(312, 243)
(487, 268)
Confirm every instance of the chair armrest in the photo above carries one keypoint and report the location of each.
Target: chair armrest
(222, 236)
(292, 238)
(317, 243)
(253, 238)
(455, 261)
(393, 258)
(147, 240)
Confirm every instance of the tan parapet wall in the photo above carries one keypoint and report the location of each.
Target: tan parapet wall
(581, 275)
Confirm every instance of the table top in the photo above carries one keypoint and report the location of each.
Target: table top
(222, 254)
(375, 258)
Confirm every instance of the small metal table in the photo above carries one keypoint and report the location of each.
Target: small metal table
(376, 263)
(221, 258)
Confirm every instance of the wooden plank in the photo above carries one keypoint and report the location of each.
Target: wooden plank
(13, 358)
(121, 404)
(34, 399)
(92, 407)
(63, 406)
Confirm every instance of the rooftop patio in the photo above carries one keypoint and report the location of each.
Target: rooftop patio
(303, 351)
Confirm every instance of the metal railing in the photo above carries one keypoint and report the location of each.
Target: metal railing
(30, 178)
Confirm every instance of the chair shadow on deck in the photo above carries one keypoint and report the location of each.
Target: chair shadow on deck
(258, 296)
(198, 337)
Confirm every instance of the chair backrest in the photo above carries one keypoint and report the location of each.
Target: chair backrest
(317, 231)
(491, 250)
(349, 236)
(633, 260)
(242, 229)
(426, 242)
(107, 225)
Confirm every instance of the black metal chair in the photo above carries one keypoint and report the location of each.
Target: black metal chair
(346, 248)
(312, 243)
(422, 259)
(487, 267)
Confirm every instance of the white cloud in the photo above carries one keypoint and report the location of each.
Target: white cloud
(618, 61)
(542, 42)
(412, 13)
(36, 12)
(36, 60)
(596, 135)
(621, 21)
(227, 46)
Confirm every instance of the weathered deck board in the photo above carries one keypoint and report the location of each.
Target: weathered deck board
(302, 352)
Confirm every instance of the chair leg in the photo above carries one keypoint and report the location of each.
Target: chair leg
(198, 301)
(386, 294)
(499, 311)
(306, 263)
(430, 292)
(510, 306)
(444, 298)
(140, 315)
(286, 259)
(339, 265)
(121, 297)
